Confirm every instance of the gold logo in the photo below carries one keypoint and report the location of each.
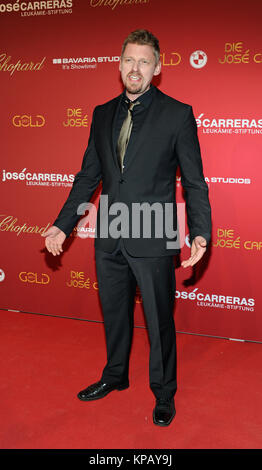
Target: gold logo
(170, 59)
(6, 65)
(28, 121)
(34, 278)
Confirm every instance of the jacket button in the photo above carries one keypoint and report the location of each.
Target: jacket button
(121, 181)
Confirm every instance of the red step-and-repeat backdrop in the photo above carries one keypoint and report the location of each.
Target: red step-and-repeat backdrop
(58, 60)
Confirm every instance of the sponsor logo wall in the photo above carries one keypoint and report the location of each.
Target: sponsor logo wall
(59, 62)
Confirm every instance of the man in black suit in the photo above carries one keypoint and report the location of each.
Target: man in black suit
(136, 142)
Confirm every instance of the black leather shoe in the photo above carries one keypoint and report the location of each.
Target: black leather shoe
(164, 411)
(100, 390)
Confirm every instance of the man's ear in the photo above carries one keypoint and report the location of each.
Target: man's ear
(157, 69)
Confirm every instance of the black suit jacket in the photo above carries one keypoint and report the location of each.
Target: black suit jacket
(166, 139)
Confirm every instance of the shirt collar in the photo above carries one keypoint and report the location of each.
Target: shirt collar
(144, 99)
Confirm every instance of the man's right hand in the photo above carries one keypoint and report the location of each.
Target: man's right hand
(54, 239)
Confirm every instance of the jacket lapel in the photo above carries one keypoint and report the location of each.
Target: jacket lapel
(106, 127)
(112, 129)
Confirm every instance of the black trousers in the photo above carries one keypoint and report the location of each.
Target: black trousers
(118, 273)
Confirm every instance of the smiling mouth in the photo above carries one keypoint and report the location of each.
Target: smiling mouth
(134, 78)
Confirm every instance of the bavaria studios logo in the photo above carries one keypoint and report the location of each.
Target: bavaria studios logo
(198, 59)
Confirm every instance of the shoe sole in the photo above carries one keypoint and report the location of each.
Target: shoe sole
(163, 424)
(119, 388)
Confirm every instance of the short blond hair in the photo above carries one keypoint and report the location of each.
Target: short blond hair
(143, 37)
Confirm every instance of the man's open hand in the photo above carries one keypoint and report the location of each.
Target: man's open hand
(54, 239)
(198, 248)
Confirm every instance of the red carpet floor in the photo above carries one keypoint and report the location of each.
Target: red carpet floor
(45, 361)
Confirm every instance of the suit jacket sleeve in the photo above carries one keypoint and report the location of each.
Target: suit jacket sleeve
(84, 186)
(192, 179)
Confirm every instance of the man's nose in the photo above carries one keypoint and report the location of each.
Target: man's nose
(135, 66)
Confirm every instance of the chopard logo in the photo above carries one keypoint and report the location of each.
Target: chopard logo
(10, 224)
(114, 3)
(7, 65)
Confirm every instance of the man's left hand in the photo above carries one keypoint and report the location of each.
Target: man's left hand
(198, 248)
